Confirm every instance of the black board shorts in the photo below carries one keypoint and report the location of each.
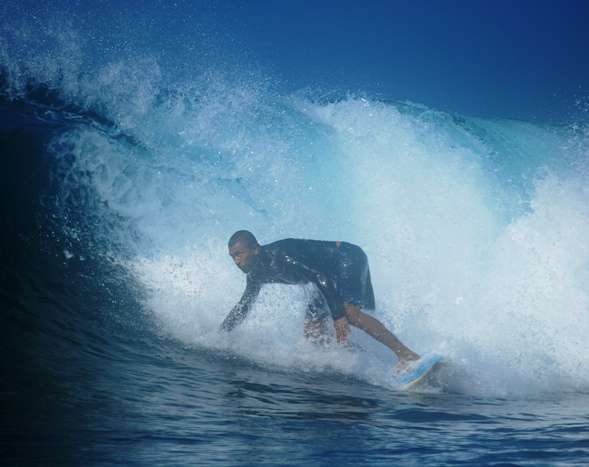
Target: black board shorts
(352, 279)
(353, 276)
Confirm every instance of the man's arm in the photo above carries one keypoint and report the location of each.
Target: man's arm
(240, 311)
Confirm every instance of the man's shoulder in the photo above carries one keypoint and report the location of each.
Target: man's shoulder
(283, 244)
(293, 246)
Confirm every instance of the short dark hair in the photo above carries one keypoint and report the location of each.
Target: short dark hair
(245, 237)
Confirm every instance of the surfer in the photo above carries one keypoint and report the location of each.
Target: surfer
(339, 271)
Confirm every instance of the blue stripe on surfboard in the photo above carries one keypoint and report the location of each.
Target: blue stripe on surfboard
(419, 368)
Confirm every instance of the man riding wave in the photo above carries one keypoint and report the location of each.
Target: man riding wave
(340, 272)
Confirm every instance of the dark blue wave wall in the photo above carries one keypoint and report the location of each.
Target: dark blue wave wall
(66, 310)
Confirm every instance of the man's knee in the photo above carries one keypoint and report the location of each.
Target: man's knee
(314, 328)
(353, 314)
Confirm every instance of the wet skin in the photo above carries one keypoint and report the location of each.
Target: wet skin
(244, 258)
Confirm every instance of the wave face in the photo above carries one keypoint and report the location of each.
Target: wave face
(475, 228)
(121, 186)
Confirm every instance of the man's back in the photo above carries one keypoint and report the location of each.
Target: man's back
(316, 255)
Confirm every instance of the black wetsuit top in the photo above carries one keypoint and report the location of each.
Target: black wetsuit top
(291, 261)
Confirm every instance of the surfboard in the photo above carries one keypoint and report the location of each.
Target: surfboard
(418, 372)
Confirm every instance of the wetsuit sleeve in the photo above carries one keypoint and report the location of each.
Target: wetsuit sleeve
(240, 311)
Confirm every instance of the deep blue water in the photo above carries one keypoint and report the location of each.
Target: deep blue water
(123, 174)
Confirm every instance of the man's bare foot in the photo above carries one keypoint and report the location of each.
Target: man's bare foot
(405, 362)
(409, 356)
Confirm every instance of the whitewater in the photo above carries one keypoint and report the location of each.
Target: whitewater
(475, 228)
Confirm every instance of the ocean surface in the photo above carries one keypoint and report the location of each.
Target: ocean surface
(119, 189)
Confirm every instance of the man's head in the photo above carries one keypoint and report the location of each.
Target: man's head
(244, 250)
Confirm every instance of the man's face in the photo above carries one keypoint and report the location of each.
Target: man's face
(243, 257)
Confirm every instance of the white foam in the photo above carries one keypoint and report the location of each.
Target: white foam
(476, 249)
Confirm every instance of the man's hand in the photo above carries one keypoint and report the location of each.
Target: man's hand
(342, 329)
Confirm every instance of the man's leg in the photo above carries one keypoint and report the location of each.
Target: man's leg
(315, 327)
(373, 327)
(315, 331)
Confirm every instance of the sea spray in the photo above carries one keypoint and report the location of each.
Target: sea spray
(475, 229)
